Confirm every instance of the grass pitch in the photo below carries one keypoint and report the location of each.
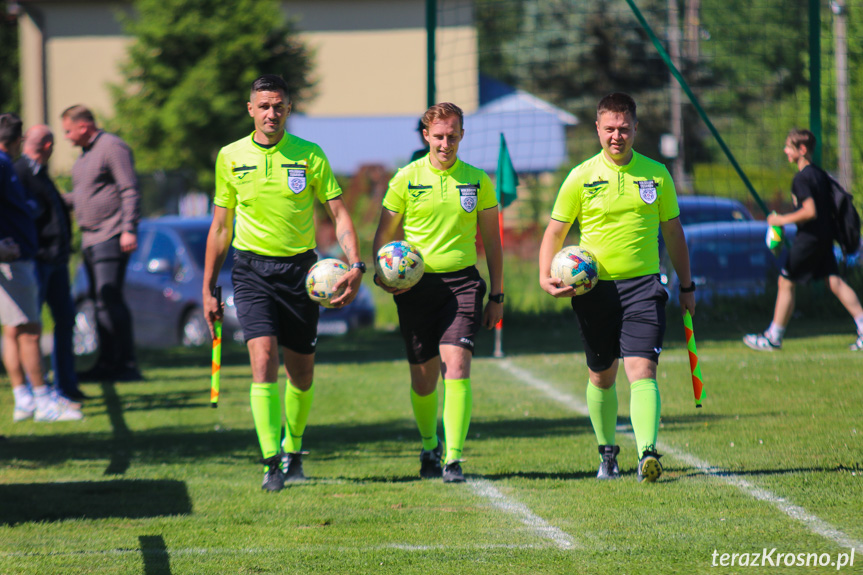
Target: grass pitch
(154, 481)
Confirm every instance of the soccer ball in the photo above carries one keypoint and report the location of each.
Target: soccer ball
(774, 238)
(321, 281)
(577, 267)
(399, 265)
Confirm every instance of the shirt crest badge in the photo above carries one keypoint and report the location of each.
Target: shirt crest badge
(468, 196)
(647, 191)
(297, 180)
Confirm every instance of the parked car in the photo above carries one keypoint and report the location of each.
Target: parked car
(163, 291)
(727, 259)
(706, 209)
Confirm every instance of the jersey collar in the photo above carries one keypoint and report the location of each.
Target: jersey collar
(434, 170)
(624, 168)
(272, 149)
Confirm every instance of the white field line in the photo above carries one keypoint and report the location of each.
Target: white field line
(810, 521)
(537, 524)
(229, 551)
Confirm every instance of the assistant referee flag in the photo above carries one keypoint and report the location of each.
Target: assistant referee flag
(507, 179)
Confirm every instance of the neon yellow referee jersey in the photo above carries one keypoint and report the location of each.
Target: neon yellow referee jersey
(619, 209)
(273, 191)
(440, 210)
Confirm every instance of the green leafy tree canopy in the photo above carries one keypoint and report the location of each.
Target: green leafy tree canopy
(188, 73)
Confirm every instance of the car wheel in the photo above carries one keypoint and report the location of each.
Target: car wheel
(194, 331)
(85, 336)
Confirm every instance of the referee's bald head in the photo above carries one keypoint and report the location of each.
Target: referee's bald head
(270, 83)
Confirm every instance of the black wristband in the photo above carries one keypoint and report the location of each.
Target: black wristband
(689, 289)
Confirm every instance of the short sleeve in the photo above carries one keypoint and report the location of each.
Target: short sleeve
(668, 207)
(394, 199)
(328, 186)
(567, 206)
(487, 195)
(226, 193)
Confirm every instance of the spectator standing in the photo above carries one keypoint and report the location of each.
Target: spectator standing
(106, 202)
(19, 299)
(54, 231)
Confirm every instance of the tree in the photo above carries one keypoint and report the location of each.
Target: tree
(188, 74)
(10, 100)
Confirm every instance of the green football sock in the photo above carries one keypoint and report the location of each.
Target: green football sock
(298, 404)
(425, 412)
(457, 404)
(644, 406)
(267, 414)
(602, 405)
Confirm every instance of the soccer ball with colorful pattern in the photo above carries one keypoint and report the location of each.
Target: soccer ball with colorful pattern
(321, 281)
(576, 267)
(399, 265)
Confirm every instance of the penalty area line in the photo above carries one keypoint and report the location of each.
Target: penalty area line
(812, 522)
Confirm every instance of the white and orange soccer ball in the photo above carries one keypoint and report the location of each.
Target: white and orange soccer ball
(576, 267)
(399, 265)
(321, 281)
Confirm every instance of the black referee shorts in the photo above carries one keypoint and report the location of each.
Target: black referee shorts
(271, 300)
(622, 318)
(444, 308)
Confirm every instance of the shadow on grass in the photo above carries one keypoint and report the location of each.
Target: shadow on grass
(155, 554)
(23, 503)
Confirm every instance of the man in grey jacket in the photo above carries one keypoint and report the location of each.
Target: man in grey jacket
(106, 202)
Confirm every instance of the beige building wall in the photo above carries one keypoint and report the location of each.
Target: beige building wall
(370, 58)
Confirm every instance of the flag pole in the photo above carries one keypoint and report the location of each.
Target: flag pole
(498, 328)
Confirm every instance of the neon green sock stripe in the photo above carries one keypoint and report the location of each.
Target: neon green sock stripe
(644, 407)
(602, 406)
(298, 404)
(267, 414)
(425, 413)
(457, 405)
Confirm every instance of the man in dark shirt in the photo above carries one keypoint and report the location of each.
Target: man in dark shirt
(52, 258)
(106, 202)
(811, 255)
(19, 302)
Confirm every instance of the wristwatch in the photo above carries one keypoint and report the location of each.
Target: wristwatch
(689, 289)
(496, 298)
(359, 266)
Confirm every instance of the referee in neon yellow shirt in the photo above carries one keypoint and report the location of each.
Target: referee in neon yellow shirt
(269, 181)
(621, 200)
(439, 201)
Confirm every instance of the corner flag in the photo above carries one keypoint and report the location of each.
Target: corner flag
(507, 179)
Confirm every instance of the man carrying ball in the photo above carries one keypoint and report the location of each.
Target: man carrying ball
(269, 181)
(438, 200)
(621, 200)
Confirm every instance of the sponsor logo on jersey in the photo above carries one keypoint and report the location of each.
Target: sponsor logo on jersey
(242, 171)
(468, 195)
(647, 191)
(417, 190)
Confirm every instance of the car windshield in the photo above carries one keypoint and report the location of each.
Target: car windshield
(707, 213)
(196, 240)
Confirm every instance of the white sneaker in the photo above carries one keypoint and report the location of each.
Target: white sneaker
(63, 400)
(857, 345)
(760, 342)
(57, 411)
(23, 412)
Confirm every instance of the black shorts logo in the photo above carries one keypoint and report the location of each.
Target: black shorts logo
(468, 196)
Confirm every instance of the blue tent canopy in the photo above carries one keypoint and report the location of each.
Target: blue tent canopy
(535, 133)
